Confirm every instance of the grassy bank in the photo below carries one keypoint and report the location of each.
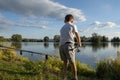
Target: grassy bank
(15, 67)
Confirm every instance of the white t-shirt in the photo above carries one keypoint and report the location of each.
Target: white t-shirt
(67, 33)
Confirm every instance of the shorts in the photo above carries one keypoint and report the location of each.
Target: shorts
(67, 52)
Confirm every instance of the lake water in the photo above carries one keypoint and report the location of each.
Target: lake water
(89, 53)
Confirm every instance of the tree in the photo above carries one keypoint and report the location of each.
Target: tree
(104, 39)
(46, 39)
(115, 39)
(57, 38)
(95, 38)
(16, 38)
(84, 39)
(25, 40)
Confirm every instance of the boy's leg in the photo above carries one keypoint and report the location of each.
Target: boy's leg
(64, 59)
(71, 57)
(65, 66)
(74, 70)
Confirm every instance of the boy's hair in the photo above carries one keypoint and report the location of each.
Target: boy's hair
(68, 17)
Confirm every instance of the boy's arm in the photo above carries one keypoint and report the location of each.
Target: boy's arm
(78, 39)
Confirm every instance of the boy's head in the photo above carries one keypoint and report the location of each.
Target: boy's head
(69, 18)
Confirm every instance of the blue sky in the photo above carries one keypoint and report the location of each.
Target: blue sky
(39, 18)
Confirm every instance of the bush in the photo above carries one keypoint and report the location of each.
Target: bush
(10, 55)
(85, 70)
(7, 54)
(109, 69)
(52, 64)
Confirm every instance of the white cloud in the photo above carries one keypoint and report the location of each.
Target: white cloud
(85, 30)
(28, 25)
(6, 23)
(98, 24)
(40, 8)
(101, 25)
(32, 21)
(110, 24)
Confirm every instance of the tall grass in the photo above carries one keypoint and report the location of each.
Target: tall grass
(13, 66)
(109, 69)
(16, 67)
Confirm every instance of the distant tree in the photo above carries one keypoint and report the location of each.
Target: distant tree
(25, 40)
(84, 39)
(115, 39)
(16, 38)
(56, 38)
(95, 38)
(40, 40)
(46, 39)
(32, 40)
(104, 39)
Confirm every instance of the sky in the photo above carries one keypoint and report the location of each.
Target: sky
(39, 18)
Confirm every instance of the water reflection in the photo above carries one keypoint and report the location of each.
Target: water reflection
(56, 45)
(116, 45)
(17, 45)
(32, 54)
(90, 53)
(46, 44)
(96, 47)
(105, 45)
(26, 44)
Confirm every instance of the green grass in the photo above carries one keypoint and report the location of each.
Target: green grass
(109, 69)
(16, 67)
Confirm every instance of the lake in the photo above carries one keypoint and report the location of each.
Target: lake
(89, 53)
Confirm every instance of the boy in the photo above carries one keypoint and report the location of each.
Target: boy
(67, 34)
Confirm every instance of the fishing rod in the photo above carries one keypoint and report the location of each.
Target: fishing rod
(77, 49)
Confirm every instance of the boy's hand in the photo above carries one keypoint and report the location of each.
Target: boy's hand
(79, 45)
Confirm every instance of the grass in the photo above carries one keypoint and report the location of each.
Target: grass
(109, 69)
(16, 67)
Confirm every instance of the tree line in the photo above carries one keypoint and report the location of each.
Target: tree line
(96, 38)
(18, 38)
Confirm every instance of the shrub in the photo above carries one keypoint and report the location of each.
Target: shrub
(109, 69)
(85, 70)
(52, 64)
(7, 54)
